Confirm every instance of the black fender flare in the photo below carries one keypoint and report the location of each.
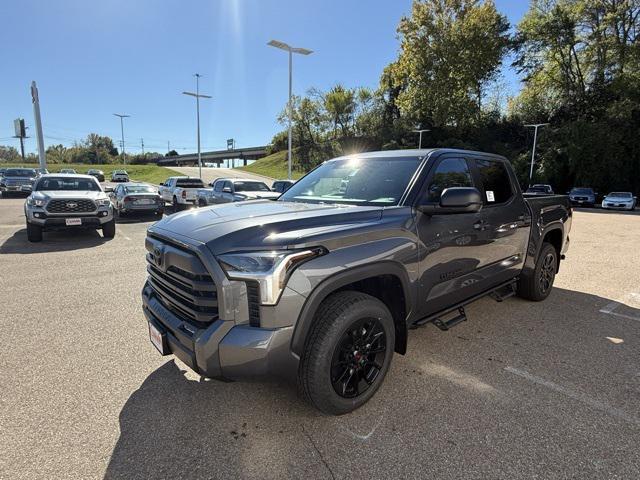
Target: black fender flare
(532, 257)
(338, 280)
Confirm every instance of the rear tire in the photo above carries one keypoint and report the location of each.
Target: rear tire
(176, 206)
(109, 229)
(537, 285)
(348, 352)
(34, 232)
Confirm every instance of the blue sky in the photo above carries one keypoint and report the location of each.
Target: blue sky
(94, 58)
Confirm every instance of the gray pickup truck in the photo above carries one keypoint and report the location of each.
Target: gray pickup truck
(64, 201)
(17, 180)
(323, 285)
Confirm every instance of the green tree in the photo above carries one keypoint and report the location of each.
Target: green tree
(450, 51)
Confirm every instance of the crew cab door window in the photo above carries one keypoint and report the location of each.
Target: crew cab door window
(217, 187)
(495, 181)
(450, 172)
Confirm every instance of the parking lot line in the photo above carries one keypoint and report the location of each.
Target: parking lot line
(610, 308)
(593, 403)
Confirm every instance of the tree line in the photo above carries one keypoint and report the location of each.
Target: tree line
(579, 62)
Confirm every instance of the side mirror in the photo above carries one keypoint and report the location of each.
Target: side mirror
(226, 190)
(161, 184)
(455, 200)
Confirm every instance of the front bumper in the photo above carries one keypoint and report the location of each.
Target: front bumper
(41, 217)
(223, 349)
(617, 206)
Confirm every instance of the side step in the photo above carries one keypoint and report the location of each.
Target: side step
(503, 293)
(452, 322)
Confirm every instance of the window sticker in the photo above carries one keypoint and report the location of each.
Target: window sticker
(490, 196)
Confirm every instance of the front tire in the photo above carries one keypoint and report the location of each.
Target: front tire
(34, 232)
(348, 352)
(537, 285)
(109, 229)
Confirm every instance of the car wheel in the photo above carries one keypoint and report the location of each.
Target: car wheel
(348, 352)
(109, 229)
(176, 206)
(201, 203)
(34, 232)
(537, 285)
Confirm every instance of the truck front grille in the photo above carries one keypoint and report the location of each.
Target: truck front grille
(181, 282)
(71, 206)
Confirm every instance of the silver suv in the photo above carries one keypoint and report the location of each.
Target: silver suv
(61, 201)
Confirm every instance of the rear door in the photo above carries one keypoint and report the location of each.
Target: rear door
(504, 219)
(227, 196)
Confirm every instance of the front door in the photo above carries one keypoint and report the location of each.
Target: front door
(451, 245)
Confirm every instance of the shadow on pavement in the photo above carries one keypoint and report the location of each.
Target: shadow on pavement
(55, 241)
(606, 210)
(177, 427)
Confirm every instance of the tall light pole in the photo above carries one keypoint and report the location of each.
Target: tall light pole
(533, 153)
(291, 50)
(420, 132)
(122, 117)
(198, 96)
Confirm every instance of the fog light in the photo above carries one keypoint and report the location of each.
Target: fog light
(37, 215)
(104, 214)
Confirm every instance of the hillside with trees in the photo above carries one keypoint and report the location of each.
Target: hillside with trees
(579, 62)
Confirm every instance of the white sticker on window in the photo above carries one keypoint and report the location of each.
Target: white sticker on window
(490, 196)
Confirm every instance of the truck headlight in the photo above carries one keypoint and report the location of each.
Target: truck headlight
(36, 202)
(271, 269)
(103, 202)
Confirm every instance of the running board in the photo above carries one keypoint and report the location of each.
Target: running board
(503, 293)
(452, 322)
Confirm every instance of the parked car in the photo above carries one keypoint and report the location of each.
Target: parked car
(540, 189)
(136, 198)
(226, 190)
(68, 201)
(180, 191)
(282, 186)
(42, 171)
(68, 170)
(323, 285)
(620, 200)
(17, 180)
(98, 174)
(119, 176)
(583, 197)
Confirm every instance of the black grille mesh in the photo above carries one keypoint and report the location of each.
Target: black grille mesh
(71, 206)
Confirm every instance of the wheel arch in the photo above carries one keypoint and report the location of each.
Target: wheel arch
(388, 281)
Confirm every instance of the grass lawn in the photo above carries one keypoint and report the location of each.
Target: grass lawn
(142, 173)
(274, 166)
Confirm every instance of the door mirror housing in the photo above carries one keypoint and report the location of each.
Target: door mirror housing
(161, 184)
(226, 190)
(455, 200)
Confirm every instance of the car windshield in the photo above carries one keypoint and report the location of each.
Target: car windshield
(140, 189)
(119, 172)
(251, 187)
(536, 190)
(620, 194)
(67, 184)
(20, 172)
(356, 181)
(582, 191)
(190, 183)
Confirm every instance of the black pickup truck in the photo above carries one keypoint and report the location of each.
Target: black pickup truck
(323, 285)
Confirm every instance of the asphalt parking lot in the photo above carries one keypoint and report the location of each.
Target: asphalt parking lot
(522, 390)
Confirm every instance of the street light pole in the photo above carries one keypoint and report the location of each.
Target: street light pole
(291, 51)
(198, 95)
(533, 152)
(420, 132)
(122, 117)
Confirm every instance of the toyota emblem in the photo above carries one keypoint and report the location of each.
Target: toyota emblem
(72, 205)
(157, 256)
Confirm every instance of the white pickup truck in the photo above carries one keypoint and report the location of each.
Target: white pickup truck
(180, 191)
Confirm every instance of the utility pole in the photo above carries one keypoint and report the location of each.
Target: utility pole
(198, 96)
(142, 144)
(535, 126)
(168, 147)
(36, 114)
(122, 117)
(420, 132)
(291, 50)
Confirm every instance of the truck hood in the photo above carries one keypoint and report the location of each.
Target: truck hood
(64, 194)
(265, 224)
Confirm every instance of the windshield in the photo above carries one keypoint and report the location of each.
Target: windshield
(119, 172)
(356, 181)
(620, 194)
(190, 183)
(582, 191)
(140, 189)
(251, 187)
(67, 184)
(537, 190)
(20, 172)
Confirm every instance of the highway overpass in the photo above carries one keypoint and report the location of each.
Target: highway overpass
(244, 154)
